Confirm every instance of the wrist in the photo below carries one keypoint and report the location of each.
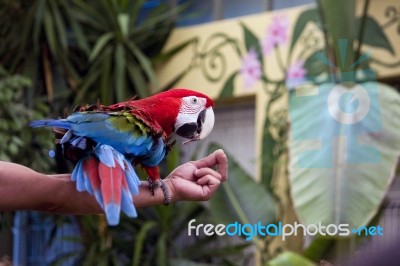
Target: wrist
(171, 189)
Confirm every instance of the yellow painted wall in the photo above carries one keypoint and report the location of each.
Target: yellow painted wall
(220, 59)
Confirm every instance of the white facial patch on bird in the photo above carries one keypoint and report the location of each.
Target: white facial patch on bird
(208, 123)
(192, 105)
(194, 120)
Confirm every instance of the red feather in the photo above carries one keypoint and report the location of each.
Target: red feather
(153, 172)
(111, 179)
(90, 166)
(162, 108)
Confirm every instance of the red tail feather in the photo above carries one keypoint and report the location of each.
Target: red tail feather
(90, 166)
(111, 179)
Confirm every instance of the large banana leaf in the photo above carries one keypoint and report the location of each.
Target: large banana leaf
(340, 171)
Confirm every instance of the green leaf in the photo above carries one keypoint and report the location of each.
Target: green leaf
(175, 50)
(144, 62)
(319, 248)
(184, 262)
(268, 158)
(315, 65)
(251, 41)
(100, 44)
(120, 73)
(90, 78)
(105, 84)
(241, 199)
(309, 15)
(60, 25)
(162, 250)
(134, 10)
(227, 89)
(49, 30)
(140, 241)
(35, 15)
(341, 33)
(374, 35)
(340, 172)
(78, 32)
(123, 22)
(289, 258)
(137, 79)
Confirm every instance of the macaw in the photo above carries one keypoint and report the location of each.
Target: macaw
(103, 141)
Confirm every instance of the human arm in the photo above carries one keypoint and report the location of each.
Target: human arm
(22, 188)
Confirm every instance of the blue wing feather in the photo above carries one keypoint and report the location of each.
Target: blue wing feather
(99, 127)
(113, 140)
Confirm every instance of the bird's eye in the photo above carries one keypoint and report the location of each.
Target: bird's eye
(193, 100)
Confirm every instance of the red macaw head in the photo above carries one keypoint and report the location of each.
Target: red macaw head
(187, 113)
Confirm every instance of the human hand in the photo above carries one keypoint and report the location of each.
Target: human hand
(197, 180)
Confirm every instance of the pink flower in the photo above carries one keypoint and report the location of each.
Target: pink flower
(296, 74)
(276, 33)
(251, 69)
(267, 45)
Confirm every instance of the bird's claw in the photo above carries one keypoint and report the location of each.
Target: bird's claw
(153, 185)
(167, 196)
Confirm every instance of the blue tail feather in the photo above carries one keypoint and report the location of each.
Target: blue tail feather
(105, 155)
(77, 171)
(132, 179)
(112, 213)
(127, 204)
(67, 137)
(78, 176)
(99, 198)
(88, 185)
(62, 123)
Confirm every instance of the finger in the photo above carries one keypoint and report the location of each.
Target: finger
(207, 171)
(206, 162)
(209, 185)
(219, 159)
(222, 164)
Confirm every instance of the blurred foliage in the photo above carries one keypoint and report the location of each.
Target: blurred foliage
(73, 51)
(124, 40)
(76, 50)
(19, 143)
(157, 237)
(289, 258)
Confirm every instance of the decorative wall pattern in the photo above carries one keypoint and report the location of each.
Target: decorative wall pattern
(268, 53)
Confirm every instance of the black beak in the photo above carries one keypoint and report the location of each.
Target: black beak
(192, 130)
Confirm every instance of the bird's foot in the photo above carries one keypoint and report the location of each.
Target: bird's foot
(153, 185)
(167, 196)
